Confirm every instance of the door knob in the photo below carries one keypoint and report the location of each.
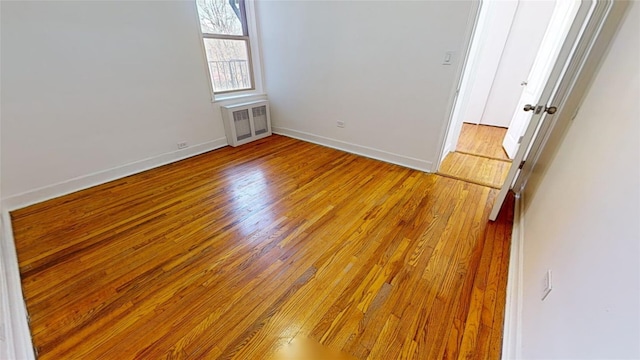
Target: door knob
(538, 109)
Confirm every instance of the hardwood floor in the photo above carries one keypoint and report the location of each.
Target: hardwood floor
(265, 251)
(475, 169)
(482, 140)
(479, 157)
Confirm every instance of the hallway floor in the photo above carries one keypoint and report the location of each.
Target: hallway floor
(479, 157)
(482, 140)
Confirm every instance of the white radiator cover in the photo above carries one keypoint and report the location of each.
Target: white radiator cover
(246, 122)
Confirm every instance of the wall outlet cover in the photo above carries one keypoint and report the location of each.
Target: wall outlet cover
(547, 285)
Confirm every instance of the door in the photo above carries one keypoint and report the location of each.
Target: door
(576, 48)
(523, 42)
(492, 31)
(563, 15)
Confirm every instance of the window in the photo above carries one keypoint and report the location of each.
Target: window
(226, 42)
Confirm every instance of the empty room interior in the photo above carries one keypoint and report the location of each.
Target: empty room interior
(269, 179)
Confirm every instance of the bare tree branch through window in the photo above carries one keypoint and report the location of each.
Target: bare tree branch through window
(226, 41)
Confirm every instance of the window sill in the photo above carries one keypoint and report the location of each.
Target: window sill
(233, 97)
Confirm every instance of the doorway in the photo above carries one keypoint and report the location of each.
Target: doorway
(479, 157)
(511, 43)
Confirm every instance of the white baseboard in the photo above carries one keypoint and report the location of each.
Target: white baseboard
(512, 334)
(86, 181)
(381, 155)
(16, 327)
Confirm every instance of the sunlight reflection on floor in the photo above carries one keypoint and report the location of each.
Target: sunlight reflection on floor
(307, 349)
(251, 195)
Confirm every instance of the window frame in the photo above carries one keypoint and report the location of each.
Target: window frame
(249, 37)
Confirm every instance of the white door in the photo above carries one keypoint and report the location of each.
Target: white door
(525, 36)
(557, 87)
(559, 25)
(492, 31)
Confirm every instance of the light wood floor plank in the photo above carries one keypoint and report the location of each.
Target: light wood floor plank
(475, 169)
(482, 140)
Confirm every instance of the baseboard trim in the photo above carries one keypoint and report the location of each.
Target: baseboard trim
(86, 181)
(512, 333)
(17, 334)
(406, 161)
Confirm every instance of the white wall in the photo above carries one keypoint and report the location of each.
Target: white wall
(89, 86)
(376, 65)
(581, 221)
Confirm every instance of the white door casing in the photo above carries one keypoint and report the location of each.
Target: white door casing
(561, 20)
(514, 63)
(600, 23)
(559, 86)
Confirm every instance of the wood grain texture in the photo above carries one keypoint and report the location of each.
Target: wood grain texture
(482, 140)
(475, 169)
(258, 251)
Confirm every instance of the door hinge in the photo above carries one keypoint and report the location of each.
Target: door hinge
(521, 165)
(520, 139)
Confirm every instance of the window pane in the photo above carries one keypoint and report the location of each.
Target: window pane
(228, 64)
(220, 16)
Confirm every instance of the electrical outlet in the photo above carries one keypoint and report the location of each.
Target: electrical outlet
(448, 58)
(182, 145)
(547, 285)
(340, 123)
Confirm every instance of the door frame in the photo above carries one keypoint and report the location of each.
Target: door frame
(459, 99)
(579, 51)
(604, 25)
(563, 16)
(606, 17)
(560, 78)
(446, 143)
